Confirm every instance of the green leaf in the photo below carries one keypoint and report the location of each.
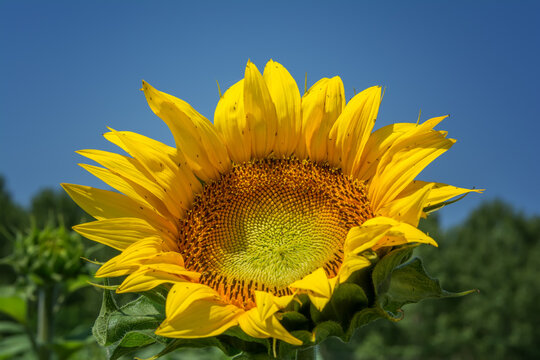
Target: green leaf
(384, 268)
(157, 295)
(14, 306)
(138, 338)
(10, 327)
(114, 323)
(14, 345)
(293, 320)
(362, 318)
(248, 356)
(237, 332)
(288, 351)
(131, 341)
(101, 325)
(196, 343)
(347, 299)
(65, 348)
(410, 283)
(327, 329)
(238, 339)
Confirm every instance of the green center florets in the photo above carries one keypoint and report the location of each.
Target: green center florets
(268, 223)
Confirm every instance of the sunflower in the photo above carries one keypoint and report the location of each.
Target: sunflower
(281, 196)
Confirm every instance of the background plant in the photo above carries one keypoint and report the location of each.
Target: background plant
(45, 272)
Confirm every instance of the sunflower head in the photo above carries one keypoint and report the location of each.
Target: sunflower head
(285, 220)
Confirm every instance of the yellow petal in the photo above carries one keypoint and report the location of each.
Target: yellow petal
(103, 204)
(194, 135)
(122, 165)
(443, 192)
(117, 233)
(131, 189)
(361, 238)
(113, 137)
(286, 98)
(318, 287)
(282, 301)
(352, 263)
(194, 310)
(408, 207)
(230, 121)
(184, 294)
(430, 124)
(382, 231)
(384, 138)
(402, 163)
(252, 325)
(131, 258)
(399, 233)
(268, 304)
(170, 262)
(378, 143)
(155, 267)
(147, 278)
(351, 131)
(321, 107)
(166, 258)
(168, 169)
(315, 282)
(133, 172)
(373, 234)
(148, 256)
(260, 112)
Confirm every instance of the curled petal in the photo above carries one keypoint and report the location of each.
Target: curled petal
(162, 268)
(131, 258)
(195, 310)
(318, 287)
(351, 264)
(251, 324)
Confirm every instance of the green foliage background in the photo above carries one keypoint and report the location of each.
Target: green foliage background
(496, 250)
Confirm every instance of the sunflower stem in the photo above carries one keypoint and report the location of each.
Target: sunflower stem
(307, 354)
(44, 322)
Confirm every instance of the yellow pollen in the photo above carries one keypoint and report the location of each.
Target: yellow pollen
(267, 223)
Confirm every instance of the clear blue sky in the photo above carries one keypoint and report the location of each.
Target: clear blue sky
(69, 69)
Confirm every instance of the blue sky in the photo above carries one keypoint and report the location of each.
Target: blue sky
(69, 69)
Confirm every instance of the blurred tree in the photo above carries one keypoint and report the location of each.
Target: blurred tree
(13, 218)
(49, 267)
(40, 309)
(496, 250)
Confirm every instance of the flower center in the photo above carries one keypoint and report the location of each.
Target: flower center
(267, 223)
